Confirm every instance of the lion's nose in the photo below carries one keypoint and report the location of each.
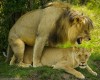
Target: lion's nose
(89, 38)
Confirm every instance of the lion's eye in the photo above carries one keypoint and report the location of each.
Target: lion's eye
(86, 32)
(79, 55)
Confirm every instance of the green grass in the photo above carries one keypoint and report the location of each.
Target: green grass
(47, 73)
(43, 73)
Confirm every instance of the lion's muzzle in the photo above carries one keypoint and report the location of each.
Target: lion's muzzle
(80, 39)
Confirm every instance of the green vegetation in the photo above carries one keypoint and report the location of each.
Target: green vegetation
(10, 13)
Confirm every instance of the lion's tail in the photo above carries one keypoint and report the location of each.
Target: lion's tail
(9, 54)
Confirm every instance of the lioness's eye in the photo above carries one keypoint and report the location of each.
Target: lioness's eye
(86, 56)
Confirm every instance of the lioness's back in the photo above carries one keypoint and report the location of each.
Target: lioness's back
(49, 56)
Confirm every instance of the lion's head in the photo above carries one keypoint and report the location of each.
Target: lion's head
(79, 27)
(85, 33)
(81, 56)
(71, 26)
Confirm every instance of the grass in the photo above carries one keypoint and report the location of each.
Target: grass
(43, 73)
(47, 73)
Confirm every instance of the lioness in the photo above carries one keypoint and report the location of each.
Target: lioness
(62, 58)
(54, 24)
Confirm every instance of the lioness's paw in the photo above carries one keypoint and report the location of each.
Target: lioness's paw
(81, 76)
(94, 73)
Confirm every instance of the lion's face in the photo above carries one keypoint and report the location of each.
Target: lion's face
(83, 26)
(82, 56)
(80, 28)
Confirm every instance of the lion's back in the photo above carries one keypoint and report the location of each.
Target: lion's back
(26, 27)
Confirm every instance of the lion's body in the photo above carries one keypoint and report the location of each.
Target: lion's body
(62, 58)
(27, 26)
(53, 25)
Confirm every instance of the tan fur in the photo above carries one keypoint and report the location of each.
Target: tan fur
(52, 25)
(59, 58)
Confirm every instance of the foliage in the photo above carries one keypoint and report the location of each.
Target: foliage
(93, 4)
(10, 11)
(42, 73)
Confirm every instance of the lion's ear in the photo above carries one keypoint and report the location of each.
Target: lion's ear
(79, 20)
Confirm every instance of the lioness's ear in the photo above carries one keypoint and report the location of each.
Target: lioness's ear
(76, 49)
(90, 50)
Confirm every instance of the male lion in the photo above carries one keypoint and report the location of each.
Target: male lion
(53, 25)
(62, 58)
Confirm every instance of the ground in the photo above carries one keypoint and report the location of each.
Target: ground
(44, 73)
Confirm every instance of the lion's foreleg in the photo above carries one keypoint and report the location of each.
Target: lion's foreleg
(37, 52)
(67, 68)
(91, 71)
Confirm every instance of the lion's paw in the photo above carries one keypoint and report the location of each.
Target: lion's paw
(24, 65)
(37, 65)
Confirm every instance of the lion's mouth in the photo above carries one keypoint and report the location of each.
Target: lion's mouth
(79, 40)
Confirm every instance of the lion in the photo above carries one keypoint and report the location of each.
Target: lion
(61, 58)
(53, 25)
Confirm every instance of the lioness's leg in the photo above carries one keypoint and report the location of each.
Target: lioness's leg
(18, 47)
(67, 68)
(91, 71)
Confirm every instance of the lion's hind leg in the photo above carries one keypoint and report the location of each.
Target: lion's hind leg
(67, 68)
(18, 47)
(13, 59)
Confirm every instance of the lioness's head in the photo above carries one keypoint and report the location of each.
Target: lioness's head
(82, 55)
